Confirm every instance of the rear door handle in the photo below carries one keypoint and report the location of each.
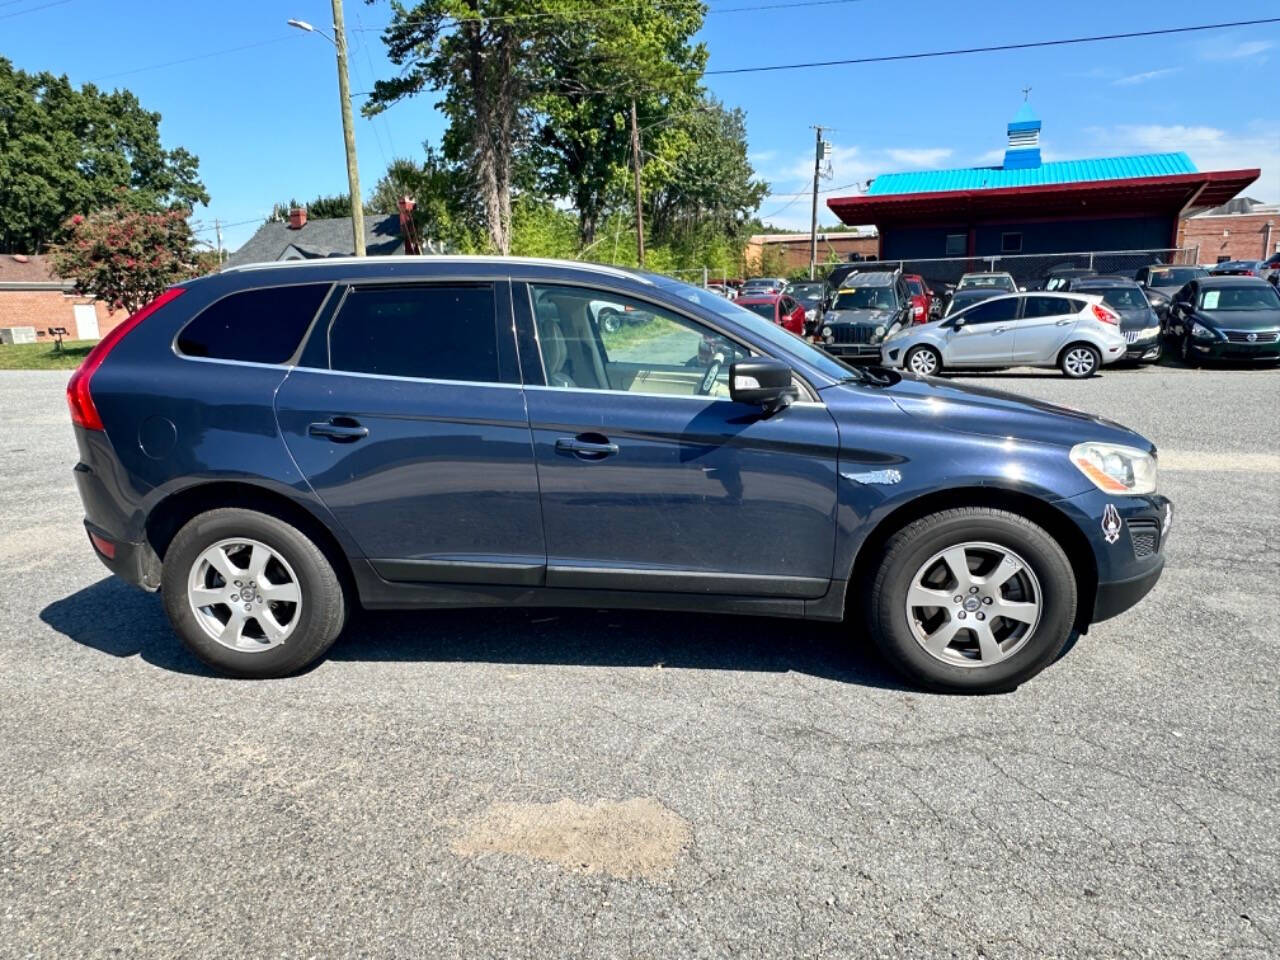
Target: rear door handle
(339, 430)
(587, 449)
(1063, 322)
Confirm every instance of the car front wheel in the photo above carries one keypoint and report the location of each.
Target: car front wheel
(250, 594)
(923, 360)
(972, 600)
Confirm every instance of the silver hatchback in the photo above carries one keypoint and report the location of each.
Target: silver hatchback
(1075, 332)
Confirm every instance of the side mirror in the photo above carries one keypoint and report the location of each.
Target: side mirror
(958, 322)
(762, 381)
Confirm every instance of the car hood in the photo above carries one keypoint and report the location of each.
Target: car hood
(872, 318)
(1137, 318)
(995, 413)
(1240, 319)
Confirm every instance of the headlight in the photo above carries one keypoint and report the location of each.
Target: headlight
(826, 331)
(1148, 332)
(1116, 469)
(1201, 332)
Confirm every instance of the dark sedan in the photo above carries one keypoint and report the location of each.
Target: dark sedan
(1161, 282)
(1138, 320)
(1228, 318)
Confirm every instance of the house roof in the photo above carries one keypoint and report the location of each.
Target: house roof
(1057, 172)
(319, 239)
(29, 272)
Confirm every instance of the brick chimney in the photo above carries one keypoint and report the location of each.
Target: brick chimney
(411, 246)
(297, 218)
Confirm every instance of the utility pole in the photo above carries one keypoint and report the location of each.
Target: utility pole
(635, 157)
(348, 128)
(813, 222)
(217, 232)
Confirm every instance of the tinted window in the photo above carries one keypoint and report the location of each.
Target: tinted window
(258, 326)
(765, 310)
(1120, 298)
(993, 311)
(1175, 276)
(1046, 307)
(432, 332)
(916, 288)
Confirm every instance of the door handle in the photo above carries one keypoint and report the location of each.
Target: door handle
(587, 449)
(339, 430)
(1063, 322)
(998, 330)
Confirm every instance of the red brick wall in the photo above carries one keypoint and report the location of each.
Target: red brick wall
(1245, 240)
(795, 252)
(50, 308)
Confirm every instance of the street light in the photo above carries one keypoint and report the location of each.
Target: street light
(339, 41)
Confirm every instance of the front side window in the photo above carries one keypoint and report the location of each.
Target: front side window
(254, 326)
(656, 352)
(428, 331)
(765, 310)
(992, 311)
(1045, 307)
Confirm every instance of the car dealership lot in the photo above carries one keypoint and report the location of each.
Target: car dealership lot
(578, 783)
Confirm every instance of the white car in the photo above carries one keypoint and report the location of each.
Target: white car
(1075, 332)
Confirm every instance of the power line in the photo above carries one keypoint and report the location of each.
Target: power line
(996, 48)
(43, 6)
(192, 59)
(589, 14)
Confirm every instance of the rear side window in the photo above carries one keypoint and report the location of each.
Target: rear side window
(255, 326)
(1046, 306)
(436, 332)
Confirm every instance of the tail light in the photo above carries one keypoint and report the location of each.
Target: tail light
(83, 412)
(918, 310)
(1105, 315)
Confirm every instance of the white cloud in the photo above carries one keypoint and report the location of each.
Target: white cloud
(1210, 148)
(1225, 49)
(924, 158)
(1136, 78)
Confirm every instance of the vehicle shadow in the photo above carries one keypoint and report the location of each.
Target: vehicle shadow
(122, 621)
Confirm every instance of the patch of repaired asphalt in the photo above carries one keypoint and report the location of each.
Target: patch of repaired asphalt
(625, 838)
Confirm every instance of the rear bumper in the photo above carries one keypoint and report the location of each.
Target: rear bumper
(135, 563)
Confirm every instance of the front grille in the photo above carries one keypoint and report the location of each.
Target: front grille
(1145, 536)
(1240, 336)
(852, 334)
(1131, 336)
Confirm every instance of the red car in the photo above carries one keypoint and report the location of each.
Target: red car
(921, 297)
(779, 308)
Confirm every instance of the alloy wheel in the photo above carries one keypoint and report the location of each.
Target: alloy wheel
(244, 595)
(924, 362)
(1080, 361)
(974, 604)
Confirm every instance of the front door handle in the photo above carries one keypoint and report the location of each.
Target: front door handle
(998, 330)
(587, 446)
(1063, 322)
(339, 429)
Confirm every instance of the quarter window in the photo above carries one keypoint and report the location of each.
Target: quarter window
(593, 339)
(254, 326)
(432, 332)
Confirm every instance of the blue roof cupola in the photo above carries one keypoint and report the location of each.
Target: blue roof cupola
(1023, 152)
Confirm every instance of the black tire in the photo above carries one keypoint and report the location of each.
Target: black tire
(610, 321)
(321, 613)
(913, 546)
(1077, 374)
(920, 351)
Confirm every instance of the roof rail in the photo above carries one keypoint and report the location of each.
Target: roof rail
(441, 258)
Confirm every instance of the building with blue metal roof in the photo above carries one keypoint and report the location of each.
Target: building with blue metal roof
(1027, 206)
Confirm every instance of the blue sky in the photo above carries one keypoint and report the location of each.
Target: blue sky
(264, 118)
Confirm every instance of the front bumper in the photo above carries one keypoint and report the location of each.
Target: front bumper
(855, 351)
(1144, 351)
(1234, 350)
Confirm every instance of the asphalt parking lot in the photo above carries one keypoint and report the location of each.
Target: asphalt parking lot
(599, 784)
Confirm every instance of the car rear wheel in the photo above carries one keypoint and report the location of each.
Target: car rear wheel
(1080, 360)
(610, 320)
(972, 600)
(923, 360)
(250, 594)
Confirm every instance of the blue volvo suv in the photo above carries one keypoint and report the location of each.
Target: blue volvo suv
(274, 445)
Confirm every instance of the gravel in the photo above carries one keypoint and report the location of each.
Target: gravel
(1121, 804)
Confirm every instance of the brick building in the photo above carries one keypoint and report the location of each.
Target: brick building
(31, 296)
(784, 252)
(1243, 229)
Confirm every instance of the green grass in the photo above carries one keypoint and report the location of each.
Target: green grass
(42, 356)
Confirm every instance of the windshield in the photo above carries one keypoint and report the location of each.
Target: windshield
(999, 281)
(1240, 298)
(1119, 298)
(1176, 276)
(762, 329)
(808, 293)
(866, 298)
(763, 309)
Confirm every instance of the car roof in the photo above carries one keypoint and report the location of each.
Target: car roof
(1086, 283)
(321, 262)
(987, 273)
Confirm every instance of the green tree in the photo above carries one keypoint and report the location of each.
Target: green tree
(321, 208)
(126, 256)
(446, 212)
(65, 151)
